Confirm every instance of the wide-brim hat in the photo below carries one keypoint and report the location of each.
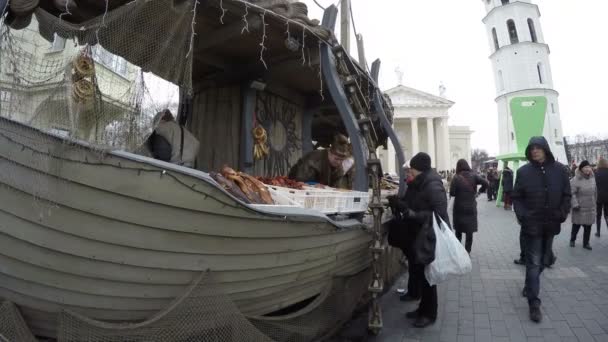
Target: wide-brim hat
(341, 146)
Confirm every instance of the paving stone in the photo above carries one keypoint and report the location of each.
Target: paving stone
(563, 330)
(582, 334)
(593, 327)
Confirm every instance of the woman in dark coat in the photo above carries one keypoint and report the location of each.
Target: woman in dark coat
(601, 182)
(507, 186)
(424, 197)
(464, 190)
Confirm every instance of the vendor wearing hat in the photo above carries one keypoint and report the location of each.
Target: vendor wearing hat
(331, 167)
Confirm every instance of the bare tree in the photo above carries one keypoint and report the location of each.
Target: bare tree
(478, 156)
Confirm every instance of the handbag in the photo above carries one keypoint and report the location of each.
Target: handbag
(423, 249)
(396, 233)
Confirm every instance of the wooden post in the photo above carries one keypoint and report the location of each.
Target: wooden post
(246, 155)
(361, 50)
(345, 25)
(307, 129)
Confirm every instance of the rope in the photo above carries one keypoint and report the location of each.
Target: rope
(318, 4)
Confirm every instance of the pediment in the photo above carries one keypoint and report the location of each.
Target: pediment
(402, 96)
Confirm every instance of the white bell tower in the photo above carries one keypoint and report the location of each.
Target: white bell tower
(521, 67)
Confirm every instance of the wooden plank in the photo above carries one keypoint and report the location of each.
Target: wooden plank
(246, 154)
(307, 129)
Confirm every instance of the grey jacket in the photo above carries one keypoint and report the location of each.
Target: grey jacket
(584, 197)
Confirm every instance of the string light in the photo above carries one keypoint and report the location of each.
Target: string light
(196, 2)
(103, 19)
(303, 45)
(262, 44)
(244, 20)
(321, 75)
(67, 10)
(223, 12)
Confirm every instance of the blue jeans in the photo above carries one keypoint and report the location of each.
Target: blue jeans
(538, 250)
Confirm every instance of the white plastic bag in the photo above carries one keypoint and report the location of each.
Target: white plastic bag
(451, 259)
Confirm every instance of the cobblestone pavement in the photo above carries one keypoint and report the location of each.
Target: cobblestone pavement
(487, 305)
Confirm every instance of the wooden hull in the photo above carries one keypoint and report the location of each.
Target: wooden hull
(117, 237)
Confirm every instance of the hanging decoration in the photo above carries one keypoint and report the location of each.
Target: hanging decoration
(260, 139)
(83, 75)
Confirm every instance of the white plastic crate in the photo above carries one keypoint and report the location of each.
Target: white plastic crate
(325, 200)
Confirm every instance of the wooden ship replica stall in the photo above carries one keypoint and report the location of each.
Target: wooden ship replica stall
(101, 243)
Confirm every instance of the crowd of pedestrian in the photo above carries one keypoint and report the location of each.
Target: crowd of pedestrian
(542, 193)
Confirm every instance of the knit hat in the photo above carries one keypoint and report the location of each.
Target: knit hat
(583, 164)
(421, 162)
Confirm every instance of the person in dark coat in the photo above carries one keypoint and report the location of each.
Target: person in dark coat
(425, 196)
(541, 197)
(507, 186)
(464, 190)
(491, 178)
(601, 182)
(326, 166)
(405, 240)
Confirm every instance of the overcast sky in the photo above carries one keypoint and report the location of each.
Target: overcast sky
(445, 41)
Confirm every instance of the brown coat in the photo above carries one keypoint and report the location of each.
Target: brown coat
(315, 167)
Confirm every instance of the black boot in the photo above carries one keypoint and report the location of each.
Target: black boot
(535, 314)
(408, 298)
(423, 322)
(587, 247)
(412, 314)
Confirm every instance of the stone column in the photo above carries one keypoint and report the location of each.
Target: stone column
(445, 137)
(430, 135)
(415, 147)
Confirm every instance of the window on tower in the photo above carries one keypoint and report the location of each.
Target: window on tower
(505, 2)
(532, 30)
(495, 37)
(539, 69)
(512, 31)
(501, 81)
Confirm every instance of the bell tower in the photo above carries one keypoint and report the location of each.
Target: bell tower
(527, 102)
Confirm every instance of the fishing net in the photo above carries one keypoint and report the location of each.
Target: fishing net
(12, 325)
(96, 81)
(205, 313)
(96, 84)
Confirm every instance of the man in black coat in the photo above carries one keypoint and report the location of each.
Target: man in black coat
(491, 178)
(425, 195)
(601, 182)
(542, 203)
